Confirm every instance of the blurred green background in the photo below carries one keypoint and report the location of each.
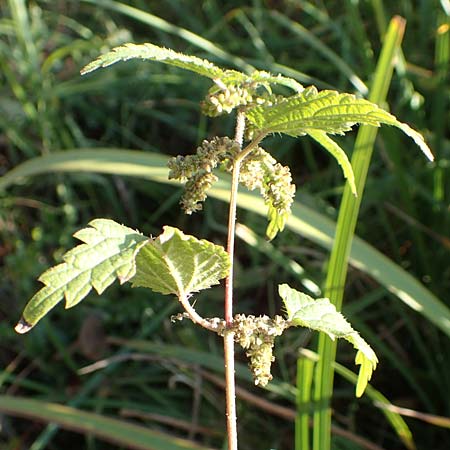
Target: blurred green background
(164, 375)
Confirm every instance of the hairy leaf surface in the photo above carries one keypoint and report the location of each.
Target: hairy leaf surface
(326, 111)
(154, 53)
(175, 263)
(200, 66)
(108, 253)
(321, 315)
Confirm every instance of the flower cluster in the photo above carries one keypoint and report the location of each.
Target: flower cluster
(223, 99)
(254, 334)
(257, 336)
(261, 171)
(196, 170)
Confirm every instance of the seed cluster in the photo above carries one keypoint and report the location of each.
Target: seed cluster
(225, 100)
(254, 334)
(245, 95)
(257, 336)
(261, 171)
(196, 170)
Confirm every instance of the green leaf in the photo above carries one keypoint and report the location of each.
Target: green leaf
(327, 111)
(325, 141)
(108, 253)
(277, 222)
(200, 66)
(175, 263)
(154, 53)
(321, 315)
(304, 221)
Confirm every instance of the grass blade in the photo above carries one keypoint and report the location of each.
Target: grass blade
(116, 431)
(305, 373)
(348, 213)
(395, 419)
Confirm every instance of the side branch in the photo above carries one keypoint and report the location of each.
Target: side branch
(210, 324)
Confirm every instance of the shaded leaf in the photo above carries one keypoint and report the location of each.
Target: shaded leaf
(321, 315)
(175, 263)
(108, 253)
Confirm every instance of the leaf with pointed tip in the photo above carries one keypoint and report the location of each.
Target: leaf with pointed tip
(321, 315)
(179, 264)
(154, 53)
(325, 141)
(327, 111)
(108, 253)
(200, 66)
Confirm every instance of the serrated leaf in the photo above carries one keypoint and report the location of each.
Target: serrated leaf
(325, 141)
(179, 264)
(108, 253)
(154, 53)
(321, 315)
(327, 111)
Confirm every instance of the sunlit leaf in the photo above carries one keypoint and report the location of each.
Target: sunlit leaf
(108, 253)
(327, 111)
(175, 263)
(154, 53)
(321, 315)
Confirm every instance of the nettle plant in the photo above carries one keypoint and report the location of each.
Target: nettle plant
(179, 265)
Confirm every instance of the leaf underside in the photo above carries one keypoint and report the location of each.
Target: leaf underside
(178, 264)
(321, 315)
(108, 253)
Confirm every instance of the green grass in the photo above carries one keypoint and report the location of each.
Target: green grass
(47, 108)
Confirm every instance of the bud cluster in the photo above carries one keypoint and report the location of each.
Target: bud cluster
(261, 171)
(254, 334)
(223, 100)
(257, 336)
(196, 170)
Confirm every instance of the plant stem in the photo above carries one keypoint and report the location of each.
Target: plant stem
(230, 391)
(195, 317)
(228, 339)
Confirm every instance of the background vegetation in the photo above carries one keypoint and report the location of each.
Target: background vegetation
(166, 375)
